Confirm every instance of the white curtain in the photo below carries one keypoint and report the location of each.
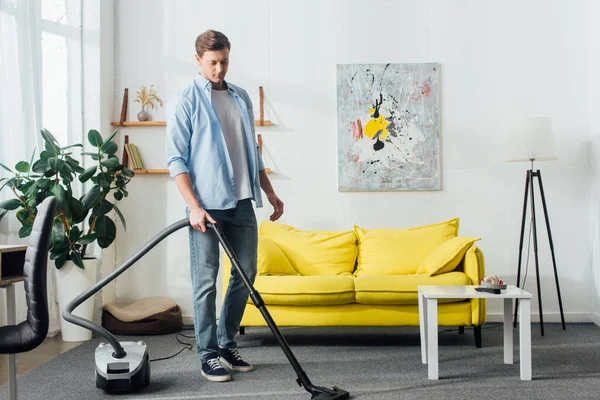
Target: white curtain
(40, 53)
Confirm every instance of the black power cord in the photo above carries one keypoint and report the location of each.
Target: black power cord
(187, 346)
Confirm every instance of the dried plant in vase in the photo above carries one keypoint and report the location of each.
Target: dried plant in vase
(146, 98)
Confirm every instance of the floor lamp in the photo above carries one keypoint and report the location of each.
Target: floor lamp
(536, 143)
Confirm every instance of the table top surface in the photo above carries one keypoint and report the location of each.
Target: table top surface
(462, 292)
(7, 248)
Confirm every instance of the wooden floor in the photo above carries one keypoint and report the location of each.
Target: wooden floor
(50, 348)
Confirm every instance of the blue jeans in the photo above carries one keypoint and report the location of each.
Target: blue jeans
(240, 229)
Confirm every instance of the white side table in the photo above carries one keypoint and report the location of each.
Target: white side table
(428, 314)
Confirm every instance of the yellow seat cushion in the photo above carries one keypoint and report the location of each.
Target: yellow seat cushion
(271, 260)
(305, 290)
(447, 256)
(314, 252)
(400, 251)
(402, 289)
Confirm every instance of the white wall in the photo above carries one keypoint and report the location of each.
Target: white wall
(501, 61)
(594, 113)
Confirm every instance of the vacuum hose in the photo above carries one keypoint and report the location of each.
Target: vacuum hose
(110, 338)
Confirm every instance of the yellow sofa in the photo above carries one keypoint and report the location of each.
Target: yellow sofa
(363, 277)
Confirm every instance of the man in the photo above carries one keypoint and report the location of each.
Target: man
(214, 159)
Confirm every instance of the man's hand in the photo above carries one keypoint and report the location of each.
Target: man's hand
(198, 218)
(277, 206)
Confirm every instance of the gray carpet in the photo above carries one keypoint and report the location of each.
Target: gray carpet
(370, 363)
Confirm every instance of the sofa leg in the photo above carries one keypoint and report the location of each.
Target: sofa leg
(242, 330)
(477, 330)
(461, 330)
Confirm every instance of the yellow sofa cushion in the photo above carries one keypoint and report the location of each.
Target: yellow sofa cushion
(314, 252)
(271, 260)
(399, 251)
(305, 290)
(447, 256)
(402, 289)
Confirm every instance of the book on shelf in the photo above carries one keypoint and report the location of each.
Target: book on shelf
(133, 154)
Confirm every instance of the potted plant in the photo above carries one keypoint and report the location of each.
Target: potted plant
(80, 220)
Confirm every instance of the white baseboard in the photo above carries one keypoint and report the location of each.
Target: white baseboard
(498, 317)
(596, 318)
(552, 317)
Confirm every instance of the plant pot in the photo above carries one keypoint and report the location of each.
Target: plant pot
(71, 281)
(143, 116)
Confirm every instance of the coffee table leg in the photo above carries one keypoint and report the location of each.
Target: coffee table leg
(525, 339)
(432, 338)
(423, 327)
(508, 332)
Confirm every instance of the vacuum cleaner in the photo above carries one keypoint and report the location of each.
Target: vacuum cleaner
(125, 366)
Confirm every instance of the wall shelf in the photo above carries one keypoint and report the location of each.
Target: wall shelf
(150, 171)
(139, 123)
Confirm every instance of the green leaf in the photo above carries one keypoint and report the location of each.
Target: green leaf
(118, 195)
(91, 197)
(44, 154)
(51, 150)
(77, 210)
(55, 163)
(73, 145)
(48, 137)
(9, 183)
(109, 147)
(75, 234)
(22, 166)
(76, 258)
(110, 162)
(11, 204)
(59, 192)
(41, 165)
(109, 232)
(67, 168)
(67, 177)
(104, 208)
(108, 139)
(2, 214)
(121, 217)
(88, 174)
(104, 181)
(24, 216)
(95, 138)
(87, 239)
(94, 156)
(60, 261)
(6, 168)
(25, 231)
(129, 173)
(58, 232)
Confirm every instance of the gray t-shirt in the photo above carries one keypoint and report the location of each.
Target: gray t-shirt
(230, 118)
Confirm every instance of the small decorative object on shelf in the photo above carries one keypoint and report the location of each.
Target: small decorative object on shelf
(146, 98)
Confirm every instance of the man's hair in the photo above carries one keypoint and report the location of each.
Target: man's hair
(211, 41)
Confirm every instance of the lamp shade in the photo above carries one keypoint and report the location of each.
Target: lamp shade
(533, 140)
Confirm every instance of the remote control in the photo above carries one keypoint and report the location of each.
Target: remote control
(488, 290)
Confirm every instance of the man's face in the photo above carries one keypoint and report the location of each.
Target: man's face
(214, 65)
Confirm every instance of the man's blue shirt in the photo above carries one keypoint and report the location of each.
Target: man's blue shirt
(196, 145)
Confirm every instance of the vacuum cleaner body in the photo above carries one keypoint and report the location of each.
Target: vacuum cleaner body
(126, 374)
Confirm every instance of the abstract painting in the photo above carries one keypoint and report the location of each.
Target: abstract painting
(388, 127)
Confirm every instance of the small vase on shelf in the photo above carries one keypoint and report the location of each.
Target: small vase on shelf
(143, 116)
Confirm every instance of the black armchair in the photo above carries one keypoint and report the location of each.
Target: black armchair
(31, 333)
